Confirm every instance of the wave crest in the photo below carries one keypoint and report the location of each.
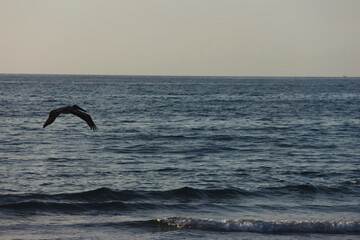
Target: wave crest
(238, 225)
(106, 194)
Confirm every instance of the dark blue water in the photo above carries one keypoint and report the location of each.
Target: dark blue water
(180, 158)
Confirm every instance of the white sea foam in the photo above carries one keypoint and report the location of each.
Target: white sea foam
(239, 225)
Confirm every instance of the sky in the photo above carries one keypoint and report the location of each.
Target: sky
(181, 37)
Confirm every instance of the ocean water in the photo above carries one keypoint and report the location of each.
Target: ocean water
(180, 158)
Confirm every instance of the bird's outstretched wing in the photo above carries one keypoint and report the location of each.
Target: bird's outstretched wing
(52, 116)
(86, 117)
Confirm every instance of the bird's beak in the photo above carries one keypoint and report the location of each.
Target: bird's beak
(82, 109)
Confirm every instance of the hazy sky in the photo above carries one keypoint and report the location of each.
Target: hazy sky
(181, 37)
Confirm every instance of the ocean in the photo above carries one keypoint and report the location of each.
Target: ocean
(180, 158)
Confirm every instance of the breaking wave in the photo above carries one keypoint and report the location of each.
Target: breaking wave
(239, 225)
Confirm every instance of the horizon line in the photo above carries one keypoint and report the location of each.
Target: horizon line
(165, 75)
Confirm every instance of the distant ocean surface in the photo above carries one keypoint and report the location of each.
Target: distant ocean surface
(180, 158)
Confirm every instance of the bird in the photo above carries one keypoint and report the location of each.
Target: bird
(76, 110)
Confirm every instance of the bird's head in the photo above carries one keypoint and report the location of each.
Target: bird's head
(78, 108)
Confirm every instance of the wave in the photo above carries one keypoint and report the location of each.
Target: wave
(106, 199)
(240, 225)
(125, 195)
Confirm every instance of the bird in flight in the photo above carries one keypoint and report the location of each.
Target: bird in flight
(76, 110)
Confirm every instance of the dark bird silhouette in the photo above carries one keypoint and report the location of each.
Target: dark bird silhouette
(76, 110)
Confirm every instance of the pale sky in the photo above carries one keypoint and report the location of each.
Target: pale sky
(181, 37)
